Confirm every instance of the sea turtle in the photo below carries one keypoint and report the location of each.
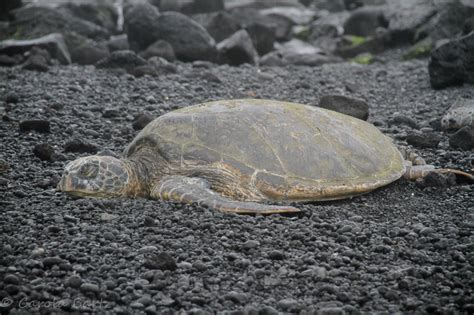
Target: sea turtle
(232, 155)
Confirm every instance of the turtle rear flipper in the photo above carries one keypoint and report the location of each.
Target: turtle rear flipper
(197, 190)
(414, 172)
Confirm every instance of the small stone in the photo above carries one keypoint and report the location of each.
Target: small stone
(106, 217)
(74, 281)
(287, 304)
(35, 125)
(149, 221)
(161, 261)
(347, 105)
(399, 119)
(80, 146)
(54, 229)
(48, 262)
(142, 120)
(331, 311)
(44, 151)
(251, 244)
(236, 297)
(463, 138)
(11, 279)
(12, 97)
(111, 113)
(276, 255)
(89, 287)
(423, 140)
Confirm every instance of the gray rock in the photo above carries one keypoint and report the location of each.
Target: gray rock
(288, 304)
(161, 261)
(222, 25)
(365, 21)
(237, 49)
(347, 105)
(459, 115)
(463, 138)
(330, 5)
(452, 63)
(423, 140)
(160, 48)
(102, 13)
(53, 43)
(141, 25)
(89, 52)
(203, 6)
(326, 31)
(262, 36)
(74, 281)
(125, 59)
(89, 287)
(118, 42)
(8, 5)
(44, 151)
(298, 15)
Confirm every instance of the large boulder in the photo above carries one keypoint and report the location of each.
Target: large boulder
(222, 25)
(36, 21)
(53, 43)
(89, 52)
(203, 6)
(452, 63)
(190, 40)
(141, 25)
(103, 13)
(365, 21)
(237, 49)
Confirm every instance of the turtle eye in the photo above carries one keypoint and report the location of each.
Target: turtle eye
(89, 170)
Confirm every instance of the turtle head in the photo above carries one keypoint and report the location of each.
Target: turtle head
(95, 176)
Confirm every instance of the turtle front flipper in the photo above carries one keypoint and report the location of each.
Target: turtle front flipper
(414, 172)
(196, 190)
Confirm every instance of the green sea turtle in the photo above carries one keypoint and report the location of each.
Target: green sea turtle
(233, 155)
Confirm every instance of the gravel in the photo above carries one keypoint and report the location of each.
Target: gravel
(403, 248)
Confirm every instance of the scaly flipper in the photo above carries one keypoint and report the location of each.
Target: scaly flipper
(196, 190)
(413, 172)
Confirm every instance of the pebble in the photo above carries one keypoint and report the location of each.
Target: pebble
(38, 125)
(287, 304)
(74, 281)
(236, 297)
(276, 255)
(48, 262)
(12, 97)
(80, 146)
(89, 287)
(11, 279)
(142, 120)
(44, 151)
(161, 261)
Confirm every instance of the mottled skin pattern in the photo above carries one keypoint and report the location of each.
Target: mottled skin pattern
(232, 155)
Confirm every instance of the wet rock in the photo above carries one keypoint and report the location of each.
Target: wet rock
(125, 59)
(162, 261)
(36, 21)
(459, 115)
(44, 151)
(222, 25)
(365, 21)
(53, 43)
(404, 17)
(35, 125)
(142, 120)
(452, 63)
(160, 48)
(77, 145)
(141, 25)
(347, 105)
(89, 52)
(118, 42)
(237, 49)
(423, 140)
(463, 138)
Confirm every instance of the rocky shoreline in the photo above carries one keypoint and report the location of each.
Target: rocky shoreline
(405, 248)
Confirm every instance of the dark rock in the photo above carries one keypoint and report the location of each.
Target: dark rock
(125, 59)
(141, 25)
(262, 37)
(331, 5)
(102, 14)
(9, 61)
(74, 281)
(77, 145)
(190, 40)
(49, 262)
(298, 15)
(399, 119)
(36, 63)
(11, 279)
(222, 25)
(237, 49)
(468, 26)
(36, 21)
(423, 140)
(161, 261)
(141, 71)
(452, 63)
(36, 125)
(434, 179)
(276, 255)
(162, 65)
(463, 138)
(89, 288)
(118, 42)
(44, 151)
(204, 6)
(90, 52)
(149, 221)
(12, 97)
(142, 120)
(459, 115)
(288, 305)
(325, 32)
(160, 48)
(8, 5)
(53, 43)
(404, 17)
(365, 21)
(347, 105)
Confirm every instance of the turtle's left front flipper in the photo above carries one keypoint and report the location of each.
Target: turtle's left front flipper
(196, 190)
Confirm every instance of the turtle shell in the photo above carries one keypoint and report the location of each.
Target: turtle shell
(284, 150)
